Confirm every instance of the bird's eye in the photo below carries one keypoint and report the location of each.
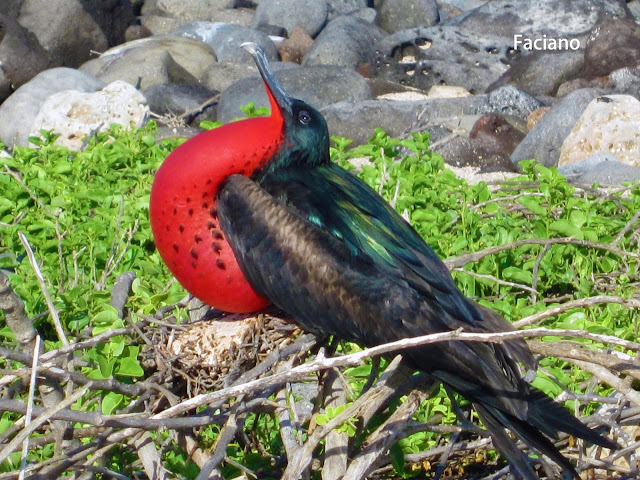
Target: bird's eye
(304, 117)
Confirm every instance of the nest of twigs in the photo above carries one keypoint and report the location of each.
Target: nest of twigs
(209, 355)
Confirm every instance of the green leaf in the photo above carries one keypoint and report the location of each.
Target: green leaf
(62, 167)
(548, 386)
(575, 321)
(106, 366)
(110, 402)
(129, 367)
(517, 275)
(578, 218)
(359, 371)
(397, 458)
(458, 244)
(322, 419)
(566, 228)
(118, 345)
(532, 204)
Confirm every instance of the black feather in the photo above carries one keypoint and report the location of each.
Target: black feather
(314, 262)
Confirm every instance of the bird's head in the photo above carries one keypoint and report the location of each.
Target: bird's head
(306, 137)
(183, 213)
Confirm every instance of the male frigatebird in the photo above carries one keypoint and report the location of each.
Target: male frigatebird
(255, 212)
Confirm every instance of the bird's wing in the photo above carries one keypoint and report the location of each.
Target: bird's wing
(346, 272)
(316, 278)
(306, 271)
(341, 204)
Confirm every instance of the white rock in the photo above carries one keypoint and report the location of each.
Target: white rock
(436, 91)
(74, 114)
(448, 91)
(404, 96)
(609, 124)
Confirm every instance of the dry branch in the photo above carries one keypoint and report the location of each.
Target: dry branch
(381, 440)
(580, 303)
(17, 320)
(45, 291)
(336, 445)
(41, 419)
(300, 372)
(475, 256)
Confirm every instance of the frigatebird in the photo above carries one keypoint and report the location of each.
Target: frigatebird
(254, 212)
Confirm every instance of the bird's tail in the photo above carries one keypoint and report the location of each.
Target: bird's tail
(545, 418)
(505, 400)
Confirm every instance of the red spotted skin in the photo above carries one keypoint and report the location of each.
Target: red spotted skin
(183, 209)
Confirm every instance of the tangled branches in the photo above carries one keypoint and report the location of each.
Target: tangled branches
(288, 405)
(264, 383)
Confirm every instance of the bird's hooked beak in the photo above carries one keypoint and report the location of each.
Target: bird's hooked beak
(278, 96)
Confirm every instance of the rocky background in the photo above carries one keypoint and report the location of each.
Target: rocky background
(447, 67)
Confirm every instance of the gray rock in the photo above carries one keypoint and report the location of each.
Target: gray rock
(159, 25)
(112, 16)
(457, 152)
(176, 100)
(576, 84)
(235, 16)
(310, 15)
(141, 68)
(220, 76)
(5, 85)
(626, 81)
(483, 141)
(275, 31)
(359, 119)
(345, 7)
(346, 41)
(368, 14)
(193, 10)
(225, 39)
(545, 139)
(600, 168)
(555, 18)
(136, 32)
(613, 44)
(465, 5)
(21, 56)
(380, 87)
(446, 10)
(150, 7)
(634, 8)
(511, 101)
(423, 57)
(11, 7)
(19, 111)
(542, 72)
(461, 152)
(319, 86)
(396, 15)
(153, 60)
(65, 29)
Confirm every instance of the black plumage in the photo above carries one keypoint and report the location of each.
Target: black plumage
(327, 249)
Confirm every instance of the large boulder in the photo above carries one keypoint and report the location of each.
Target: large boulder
(18, 112)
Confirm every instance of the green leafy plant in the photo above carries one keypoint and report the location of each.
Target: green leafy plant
(85, 216)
